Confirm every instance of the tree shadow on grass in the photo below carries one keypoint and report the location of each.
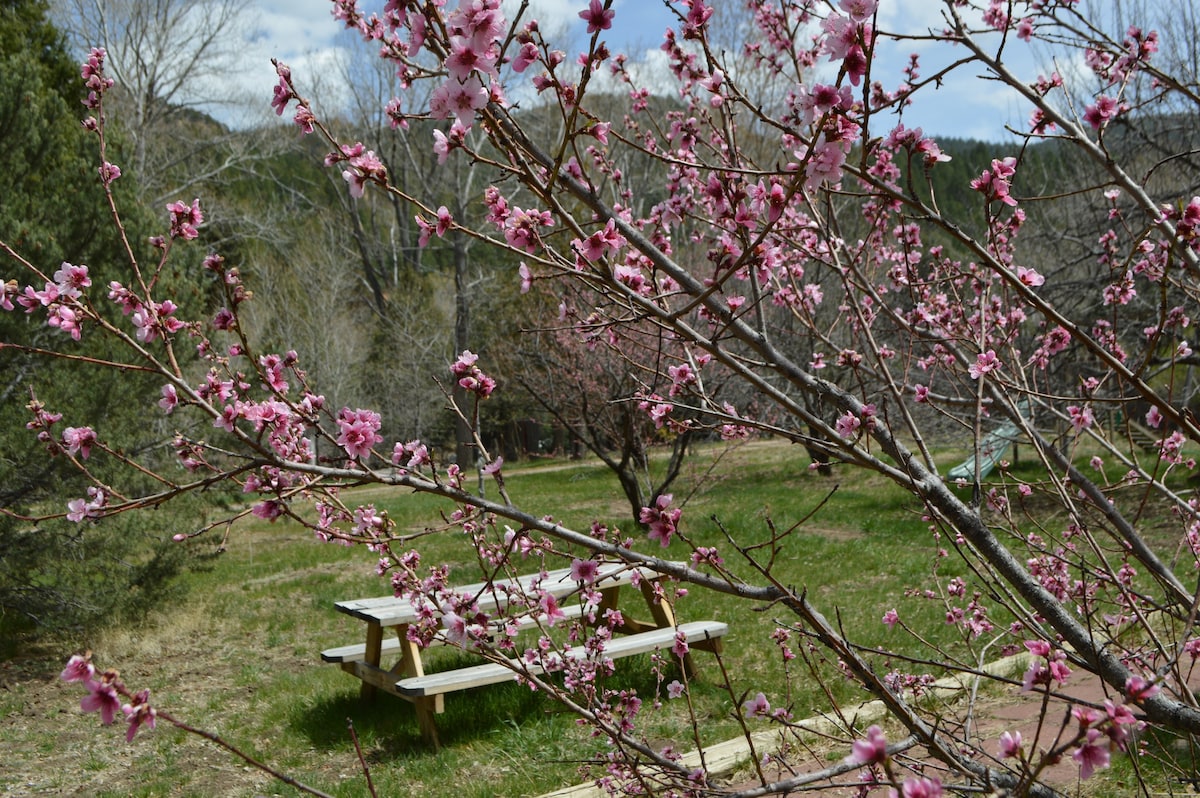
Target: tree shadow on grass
(387, 725)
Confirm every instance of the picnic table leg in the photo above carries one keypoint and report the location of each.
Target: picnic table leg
(371, 657)
(608, 601)
(664, 617)
(410, 665)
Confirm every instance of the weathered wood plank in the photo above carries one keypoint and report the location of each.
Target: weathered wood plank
(494, 672)
(492, 597)
(393, 645)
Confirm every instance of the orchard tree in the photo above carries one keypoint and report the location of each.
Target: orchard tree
(824, 275)
(610, 397)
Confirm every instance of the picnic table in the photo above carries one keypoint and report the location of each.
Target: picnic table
(388, 620)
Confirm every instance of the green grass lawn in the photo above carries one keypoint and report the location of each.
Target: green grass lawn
(240, 656)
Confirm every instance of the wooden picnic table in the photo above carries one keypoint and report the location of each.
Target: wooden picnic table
(388, 619)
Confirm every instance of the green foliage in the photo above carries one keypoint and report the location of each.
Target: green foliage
(66, 578)
(52, 209)
(46, 159)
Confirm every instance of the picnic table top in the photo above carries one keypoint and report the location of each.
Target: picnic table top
(492, 597)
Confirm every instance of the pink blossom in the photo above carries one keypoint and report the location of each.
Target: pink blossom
(267, 510)
(520, 228)
(858, 10)
(1029, 277)
(282, 93)
(597, 17)
(169, 398)
(418, 454)
(426, 231)
(65, 319)
(364, 167)
(842, 36)
(8, 290)
(304, 119)
(459, 99)
(471, 378)
(871, 750)
(79, 440)
(661, 519)
(674, 689)
(444, 221)
(138, 712)
(1153, 417)
(444, 143)
(68, 281)
(1010, 744)
(455, 626)
(92, 72)
(1099, 113)
(759, 706)
(584, 571)
(600, 243)
(1170, 447)
(994, 183)
(527, 55)
(79, 669)
(102, 698)
(467, 56)
(549, 605)
(359, 431)
(658, 411)
(891, 618)
(1138, 689)
(985, 362)
(109, 172)
(1092, 754)
(681, 377)
(223, 320)
(185, 219)
(825, 159)
(1081, 417)
(847, 425)
(918, 787)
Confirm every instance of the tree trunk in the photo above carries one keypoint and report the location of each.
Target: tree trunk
(464, 443)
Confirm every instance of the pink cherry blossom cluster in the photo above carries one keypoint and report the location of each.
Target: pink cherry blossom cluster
(104, 693)
(91, 507)
(661, 519)
(358, 431)
(97, 83)
(363, 166)
(1048, 665)
(995, 183)
(61, 298)
(467, 48)
(871, 752)
(185, 219)
(471, 377)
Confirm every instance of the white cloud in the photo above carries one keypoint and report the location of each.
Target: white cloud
(303, 34)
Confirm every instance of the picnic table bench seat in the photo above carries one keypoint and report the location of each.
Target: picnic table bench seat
(407, 678)
(697, 634)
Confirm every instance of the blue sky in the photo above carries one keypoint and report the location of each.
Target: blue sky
(303, 34)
